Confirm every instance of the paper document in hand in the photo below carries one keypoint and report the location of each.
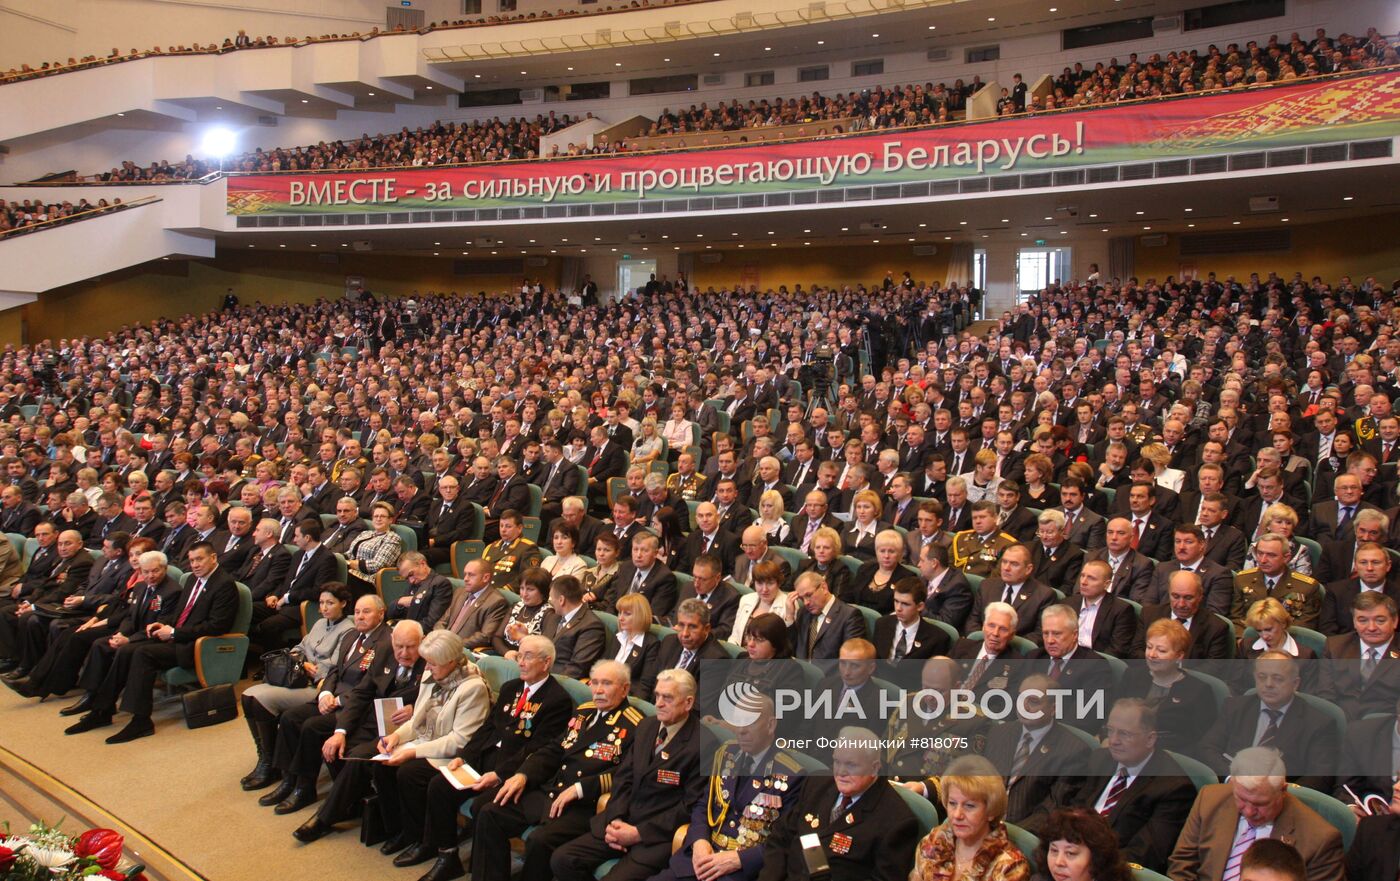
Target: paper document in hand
(462, 778)
(385, 707)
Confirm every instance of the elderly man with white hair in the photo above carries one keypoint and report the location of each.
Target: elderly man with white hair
(1228, 817)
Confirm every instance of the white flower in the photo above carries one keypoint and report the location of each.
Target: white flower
(50, 857)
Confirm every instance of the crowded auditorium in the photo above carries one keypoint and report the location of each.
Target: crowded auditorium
(679, 440)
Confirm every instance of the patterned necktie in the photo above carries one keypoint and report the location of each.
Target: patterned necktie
(1023, 753)
(1242, 843)
(839, 808)
(1115, 791)
(902, 646)
(1271, 730)
(1368, 666)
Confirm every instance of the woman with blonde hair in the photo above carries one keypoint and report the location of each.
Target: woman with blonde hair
(859, 537)
(770, 517)
(972, 844)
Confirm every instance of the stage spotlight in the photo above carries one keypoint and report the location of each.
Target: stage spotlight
(218, 142)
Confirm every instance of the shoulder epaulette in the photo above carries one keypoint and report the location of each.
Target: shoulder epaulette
(588, 705)
(633, 715)
(1248, 571)
(788, 762)
(1013, 538)
(1307, 578)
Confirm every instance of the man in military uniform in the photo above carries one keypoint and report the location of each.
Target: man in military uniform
(557, 788)
(1300, 594)
(976, 550)
(920, 749)
(686, 482)
(863, 829)
(751, 787)
(511, 555)
(656, 785)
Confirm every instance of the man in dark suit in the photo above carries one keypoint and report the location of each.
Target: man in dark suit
(1014, 518)
(1334, 519)
(644, 573)
(110, 518)
(904, 634)
(1269, 484)
(512, 493)
(1067, 663)
(293, 739)
(1361, 671)
(356, 735)
(990, 662)
(823, 622)
(279, 612)
(868, 841)
(1307, 738)
(1108, 621)
(481, 483)
(17, 515)
(1035, 751)
(558, 479)
(1014, 584)
(574, 511)
(1338, 560)
(290, 511)
(265, 567)
(1374, 854)
(206, 607)
(605, 458)
(24, 627)
(1142, 792)
(1210, 634)
(949, 593)
(692, 648)
(411, 503)
(579, 636)
(739, 406)
(1367, 763)
(1372, 567)
(449, 520)
(1132, 572)
(815, 514)
(1152, 533)
(1189, 554)
(1054, 559)
(1083, 527)
(86, 646)
(321, 493)
(708, 585)
(656, 785)
(708, 537)
(428, 594)
(341, 534)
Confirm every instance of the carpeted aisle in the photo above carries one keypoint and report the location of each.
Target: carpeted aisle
(180, 788)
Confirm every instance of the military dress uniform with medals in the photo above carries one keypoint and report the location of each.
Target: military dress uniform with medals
(508, 559)
(974, 554)
(1300, 594)
(519, 722)
(586, 755)
(740, 810)
(688, 487)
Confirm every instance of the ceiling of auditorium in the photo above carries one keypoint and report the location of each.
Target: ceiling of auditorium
(1126, 210)
(961, 24)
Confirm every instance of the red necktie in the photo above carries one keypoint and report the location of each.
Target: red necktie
(1137, 533)
(189, 605)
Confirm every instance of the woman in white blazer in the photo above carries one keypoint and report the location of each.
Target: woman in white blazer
(453, 701)
(767, 596)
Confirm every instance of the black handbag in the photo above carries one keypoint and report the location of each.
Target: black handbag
(283, 668)
(209, 706)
